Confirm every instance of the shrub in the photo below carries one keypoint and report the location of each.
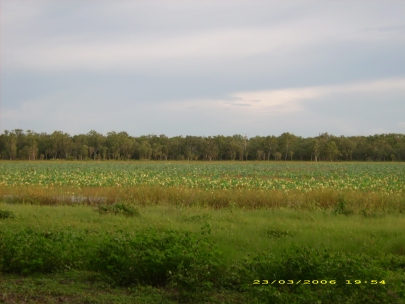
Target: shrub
(29, 251)
(6, 214)
(309, 264)
(341, 207)
(158, 258)
(277, 233)
(119, 208)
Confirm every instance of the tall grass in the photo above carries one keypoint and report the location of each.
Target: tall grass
(345, 202)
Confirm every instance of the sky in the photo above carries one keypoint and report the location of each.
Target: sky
(203, 68)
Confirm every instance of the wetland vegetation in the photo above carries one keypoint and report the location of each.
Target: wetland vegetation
(180, 232)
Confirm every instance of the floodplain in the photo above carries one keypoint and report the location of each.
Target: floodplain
(199, 232)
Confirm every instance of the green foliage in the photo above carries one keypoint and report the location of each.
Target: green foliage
(383, 178)
(277, 233)
(191, 267)
(29, 145)
(313, 265)
(341, 207)
(119, 208)
(157, 258)
(29, 251)
(6, 214)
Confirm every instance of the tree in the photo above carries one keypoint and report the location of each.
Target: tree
(346, 146)
(331, 150)
(84, 152)
(11, 144)
(245, 138)
(286, 141)
(17, 144)
(277, 155)
(165, 143)
(323, 139)
(261, 155)
(270, 144)
(315, 145)
(32, 145)
(239, 141)
(145, 150)
(210, 148)
(233, 148)
(96, 141)
(255, 148)
(126, 144)
(2, 146)
(61, 144)
(78, 142)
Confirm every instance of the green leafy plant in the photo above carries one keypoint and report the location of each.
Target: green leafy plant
(314, 266)
(29, 251)
(6, 214)
(277, 233)
(119, 208)
(341, 207)
(156, 258)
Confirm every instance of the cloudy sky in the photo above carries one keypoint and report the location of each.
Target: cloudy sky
(203, 67)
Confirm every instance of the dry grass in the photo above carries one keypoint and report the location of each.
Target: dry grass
(353, 202)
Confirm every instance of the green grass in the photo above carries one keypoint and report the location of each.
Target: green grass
(236, 231)
(250, 244)
(161, 232)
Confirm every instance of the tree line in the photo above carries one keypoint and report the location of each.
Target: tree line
(28, 145)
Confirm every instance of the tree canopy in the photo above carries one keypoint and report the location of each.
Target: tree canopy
(28, 145)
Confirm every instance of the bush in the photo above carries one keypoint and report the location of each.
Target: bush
(192, 266)
(29, 251)
(158, 258)
(341, 207)
(309, 264)
(6, 214)
(119, 208)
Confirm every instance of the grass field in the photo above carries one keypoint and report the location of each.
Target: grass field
(143, 232)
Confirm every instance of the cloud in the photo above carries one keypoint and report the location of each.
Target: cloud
(238, 104)
(184, 66)
(304, 111)
(298, 94)
(83, 41)
(292, 99)
(129, 51)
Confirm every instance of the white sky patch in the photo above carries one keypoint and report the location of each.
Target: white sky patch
(286, 100)
(274, 101)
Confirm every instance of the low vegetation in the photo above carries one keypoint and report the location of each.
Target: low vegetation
(198, 241)
(200, 254)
